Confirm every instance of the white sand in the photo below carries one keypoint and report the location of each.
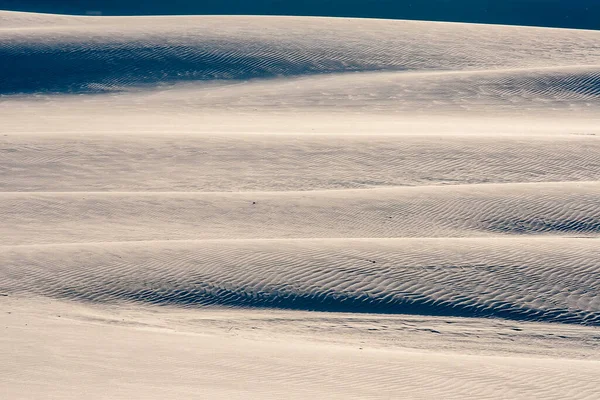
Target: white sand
(286, 207)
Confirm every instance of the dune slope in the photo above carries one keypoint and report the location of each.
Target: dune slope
(45, 53)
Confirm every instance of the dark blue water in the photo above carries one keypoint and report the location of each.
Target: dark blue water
(583, 14)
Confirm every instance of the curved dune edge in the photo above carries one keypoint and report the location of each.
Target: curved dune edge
(551, 280)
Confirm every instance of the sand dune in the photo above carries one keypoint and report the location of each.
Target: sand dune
(541, 279)
(143, 359)
(505, 91)
(80, 52)
(285, 207)
(571, 209)
(265, 162)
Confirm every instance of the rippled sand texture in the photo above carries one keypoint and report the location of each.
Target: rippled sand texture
(291, 207)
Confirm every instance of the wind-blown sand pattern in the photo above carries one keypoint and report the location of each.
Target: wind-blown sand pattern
(509, 278)
(293, 207)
